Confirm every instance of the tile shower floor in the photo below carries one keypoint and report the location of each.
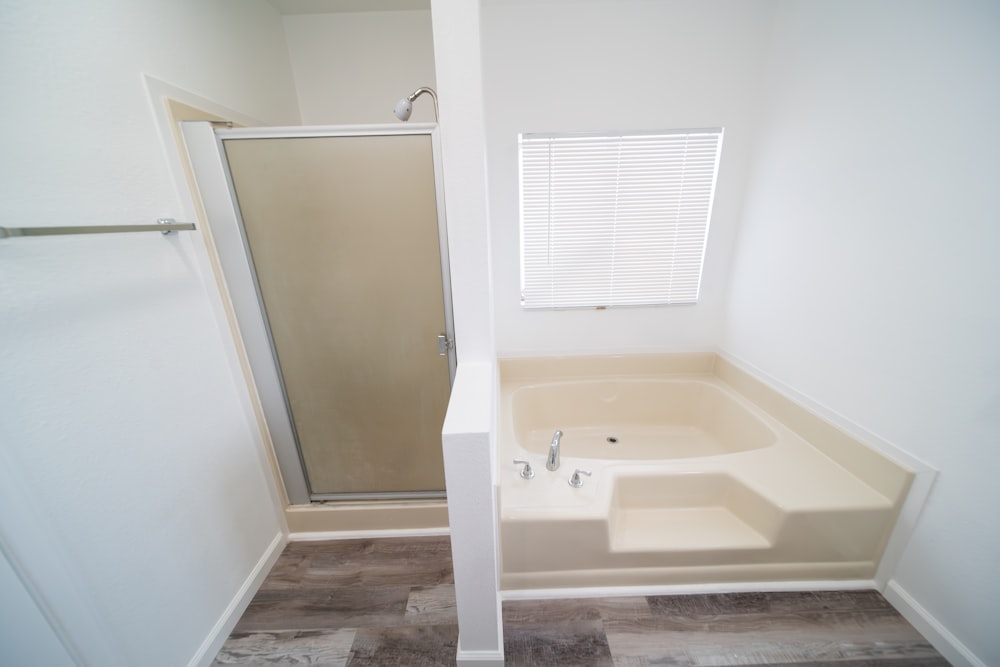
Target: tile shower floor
(392, 602)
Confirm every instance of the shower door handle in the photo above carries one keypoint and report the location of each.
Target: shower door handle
(444, 344)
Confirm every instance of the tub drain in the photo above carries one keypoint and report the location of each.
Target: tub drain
(612, 439)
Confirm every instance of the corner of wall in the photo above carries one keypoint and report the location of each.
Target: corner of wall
(217, 636)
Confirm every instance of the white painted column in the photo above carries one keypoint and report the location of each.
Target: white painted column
(469, 433)
(472, 514)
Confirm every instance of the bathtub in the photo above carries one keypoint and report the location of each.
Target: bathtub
(691, 479)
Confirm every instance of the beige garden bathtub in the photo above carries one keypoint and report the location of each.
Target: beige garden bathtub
(692, 480)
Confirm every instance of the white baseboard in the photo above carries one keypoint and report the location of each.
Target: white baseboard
(479, 658)
(688, 589)
(227, 621)
(364, 534)
(939, 636)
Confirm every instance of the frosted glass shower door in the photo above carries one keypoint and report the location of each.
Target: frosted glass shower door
(343, 234)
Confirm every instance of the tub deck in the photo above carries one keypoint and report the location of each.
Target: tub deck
(692, 501)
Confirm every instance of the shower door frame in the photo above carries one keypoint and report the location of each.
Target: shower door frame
(204, 141)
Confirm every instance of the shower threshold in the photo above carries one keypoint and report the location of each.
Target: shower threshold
(324, 498)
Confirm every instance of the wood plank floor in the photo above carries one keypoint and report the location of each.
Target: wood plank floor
(392, 602)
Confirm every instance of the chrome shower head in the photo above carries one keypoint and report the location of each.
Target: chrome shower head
(404, 107)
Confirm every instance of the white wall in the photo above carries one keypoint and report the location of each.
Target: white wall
(135, 497)
(626, 65)
(25, 634)
(867, 274)
(353, 67)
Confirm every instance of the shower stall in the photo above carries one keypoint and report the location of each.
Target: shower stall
(332, 245)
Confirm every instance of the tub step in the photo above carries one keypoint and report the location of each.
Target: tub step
(683, 529)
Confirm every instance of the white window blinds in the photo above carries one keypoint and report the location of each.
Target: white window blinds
(615, 220)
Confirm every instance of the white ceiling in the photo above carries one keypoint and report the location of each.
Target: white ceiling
(333, 6)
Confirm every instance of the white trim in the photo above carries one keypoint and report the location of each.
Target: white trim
(479, 658)
(320, 535)
(227, 621)
(309, 131)
(158, 92)
(688, 589)
(947, 644)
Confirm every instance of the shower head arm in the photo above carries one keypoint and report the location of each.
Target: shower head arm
(430, 91)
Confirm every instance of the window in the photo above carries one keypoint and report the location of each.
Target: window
(616, 220)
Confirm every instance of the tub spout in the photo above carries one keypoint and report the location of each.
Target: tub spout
(552, 462)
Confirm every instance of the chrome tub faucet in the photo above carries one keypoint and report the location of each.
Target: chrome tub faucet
(552, 462)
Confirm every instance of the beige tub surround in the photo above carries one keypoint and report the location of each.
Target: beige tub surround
(692, 481)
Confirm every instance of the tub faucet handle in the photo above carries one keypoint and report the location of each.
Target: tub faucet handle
(575, 480)
(526, 472)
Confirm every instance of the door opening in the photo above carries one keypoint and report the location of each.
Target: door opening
(337, 234)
